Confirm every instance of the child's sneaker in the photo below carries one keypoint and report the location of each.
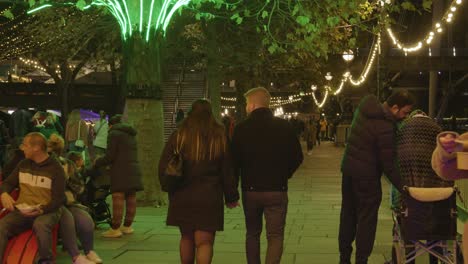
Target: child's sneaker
(82, 260)
(112, 233)
(127, 230)
(94, 257)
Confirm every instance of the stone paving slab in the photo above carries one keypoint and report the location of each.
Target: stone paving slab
(311, 234)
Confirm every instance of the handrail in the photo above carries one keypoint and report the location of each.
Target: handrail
(178, 92)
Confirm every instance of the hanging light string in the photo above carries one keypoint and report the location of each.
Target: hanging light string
(375, 49)
(370, 62)
(324, 100)
(438, 27)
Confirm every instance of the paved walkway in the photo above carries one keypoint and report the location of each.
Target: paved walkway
(311, 231)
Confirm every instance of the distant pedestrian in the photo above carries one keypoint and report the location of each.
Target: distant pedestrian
(197, 205)
(101, 129)
(323, 128)
(371, 150)
(180, 115)
(76, 132)
(121, 155)
(317, 126)
(310, 135)
(266, 152)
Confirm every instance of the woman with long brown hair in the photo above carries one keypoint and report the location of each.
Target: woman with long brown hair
(196, 206)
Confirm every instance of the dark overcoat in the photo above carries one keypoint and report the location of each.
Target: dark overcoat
(371, 146)
(198, 203)
(121, 155)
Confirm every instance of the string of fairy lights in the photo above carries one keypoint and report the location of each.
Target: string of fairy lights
(437, 29)
(9, 40)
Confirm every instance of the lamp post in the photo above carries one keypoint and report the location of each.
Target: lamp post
(348, 56)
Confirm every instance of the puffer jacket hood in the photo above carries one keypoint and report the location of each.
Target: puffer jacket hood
(371, 107)
(124, 127)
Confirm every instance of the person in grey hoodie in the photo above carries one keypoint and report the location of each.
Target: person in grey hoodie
(121, 155)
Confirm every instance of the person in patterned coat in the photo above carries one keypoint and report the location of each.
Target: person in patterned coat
(415, 144)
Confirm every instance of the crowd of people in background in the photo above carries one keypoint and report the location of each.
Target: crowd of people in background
(60, 162)
(50, 164)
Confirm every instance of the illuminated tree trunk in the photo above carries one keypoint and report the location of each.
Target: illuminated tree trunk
(143, 108)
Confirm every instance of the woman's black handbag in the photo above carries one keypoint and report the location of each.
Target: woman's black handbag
(175, 165)
(173, 174)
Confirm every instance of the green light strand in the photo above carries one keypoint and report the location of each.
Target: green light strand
(171, 13)
(141, 16)
(38, 8)
(162, 13)
(114, 10)
(118, 10)
(149, 20)
(128, 17)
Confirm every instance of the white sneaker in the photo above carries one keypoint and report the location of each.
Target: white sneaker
(82, 260)
(112, 233)
(127, 230)
(94, 257)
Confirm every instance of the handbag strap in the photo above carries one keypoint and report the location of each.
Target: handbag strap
(178, 147)
(79, 132)
(101, 124)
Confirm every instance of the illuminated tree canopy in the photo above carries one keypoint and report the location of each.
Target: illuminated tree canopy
(136, 16)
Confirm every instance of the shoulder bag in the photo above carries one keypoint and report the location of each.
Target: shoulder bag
(173, 174)
(79, 142)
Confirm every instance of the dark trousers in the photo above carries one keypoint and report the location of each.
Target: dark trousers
(358, 219)
(274, 206)
(15, 223)
(310, 145)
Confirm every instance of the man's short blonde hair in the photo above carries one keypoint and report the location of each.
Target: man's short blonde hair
(259, 96)
(37, 139)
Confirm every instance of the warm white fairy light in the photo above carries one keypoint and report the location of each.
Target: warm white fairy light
(438, 27)
(367, 68)
(233, 99)
(228, 106)
(320, 105)
(340, 87)
(33, 64)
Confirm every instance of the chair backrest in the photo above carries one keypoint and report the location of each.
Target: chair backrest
(430, 194)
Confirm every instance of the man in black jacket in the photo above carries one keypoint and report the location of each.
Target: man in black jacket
(369, 152)
(266, 153)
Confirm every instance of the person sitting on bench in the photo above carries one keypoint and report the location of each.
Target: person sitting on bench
(41, 182)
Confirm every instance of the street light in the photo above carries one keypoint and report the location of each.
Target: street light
(348, 55)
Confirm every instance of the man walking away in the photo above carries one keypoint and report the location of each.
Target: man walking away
(369, 152)
(266, 153)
